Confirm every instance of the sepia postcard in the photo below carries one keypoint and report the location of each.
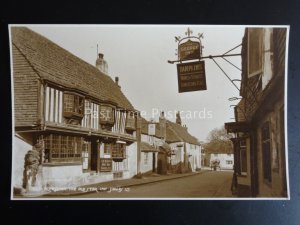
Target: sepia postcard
(173, 112)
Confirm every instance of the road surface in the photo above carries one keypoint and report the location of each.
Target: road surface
(210, 184)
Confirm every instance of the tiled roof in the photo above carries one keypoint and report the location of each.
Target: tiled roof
(240, 111)
(178, 133)
(165, 147)
(145, 147)
(57, 65)
(145, 128)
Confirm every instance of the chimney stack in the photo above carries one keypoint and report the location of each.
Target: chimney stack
(178, 118)
(163, 125)
(117, 81)
(101, 64)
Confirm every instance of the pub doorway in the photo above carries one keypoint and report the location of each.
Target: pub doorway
(153, 162)
(94, 155)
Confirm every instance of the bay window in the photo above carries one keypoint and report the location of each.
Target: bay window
(73, 105)
(106, 116)
(130, 122)
(63, 148)
(117, 151)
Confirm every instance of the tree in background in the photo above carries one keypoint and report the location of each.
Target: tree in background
(218, 141)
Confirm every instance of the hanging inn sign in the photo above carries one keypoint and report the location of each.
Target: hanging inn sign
(191, 75)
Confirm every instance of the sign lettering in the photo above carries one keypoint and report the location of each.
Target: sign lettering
(191, 76)
(105, 165)
(189, 50)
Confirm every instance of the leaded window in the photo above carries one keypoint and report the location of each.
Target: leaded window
(63, 148)
(73, 105)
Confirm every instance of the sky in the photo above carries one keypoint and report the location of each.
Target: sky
(138, 55)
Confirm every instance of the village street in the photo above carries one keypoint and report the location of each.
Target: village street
(209, 184)
(79, 135)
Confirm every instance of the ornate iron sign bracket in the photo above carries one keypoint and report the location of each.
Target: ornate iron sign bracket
(181, 58)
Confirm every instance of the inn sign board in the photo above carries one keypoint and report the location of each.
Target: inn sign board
(191, 76)
(189, 50)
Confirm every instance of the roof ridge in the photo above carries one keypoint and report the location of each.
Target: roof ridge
(54, 63)
(183, 129)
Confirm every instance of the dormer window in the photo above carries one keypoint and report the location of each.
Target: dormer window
(130, 122)
(73, 105)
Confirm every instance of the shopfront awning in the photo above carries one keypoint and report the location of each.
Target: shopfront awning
(145, 147)
(235, 127)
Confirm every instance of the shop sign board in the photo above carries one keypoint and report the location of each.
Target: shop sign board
(105, 165)
(191, 76)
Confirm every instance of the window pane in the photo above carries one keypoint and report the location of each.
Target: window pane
(107, 148)
(64, 148)
(68, 102)
(55, 146)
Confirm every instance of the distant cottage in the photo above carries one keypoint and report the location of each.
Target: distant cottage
(171, 149)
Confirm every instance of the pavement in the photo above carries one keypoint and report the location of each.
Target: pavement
(123, 184)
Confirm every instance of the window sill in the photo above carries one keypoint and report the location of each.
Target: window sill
(62, 164)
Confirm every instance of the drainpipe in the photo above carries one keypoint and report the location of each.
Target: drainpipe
(138, 140)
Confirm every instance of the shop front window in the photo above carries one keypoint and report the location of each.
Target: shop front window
(107, 149)
(63, 148)
(118, 151)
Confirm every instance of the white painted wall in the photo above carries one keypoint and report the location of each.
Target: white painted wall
(61, 176)
(223, 160)
(132, 159)
(194, 152)
(267, 54)
(179, 153)
(20, 148)
(146, 165)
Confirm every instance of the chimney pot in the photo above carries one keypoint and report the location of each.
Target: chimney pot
(117, 80)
